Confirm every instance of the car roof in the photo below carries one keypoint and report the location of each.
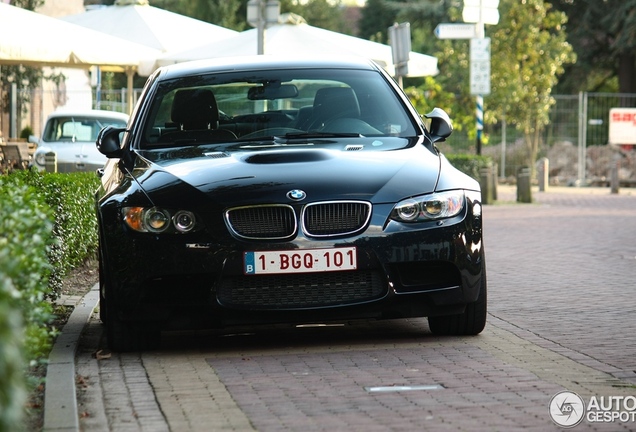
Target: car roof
(88, 113)
(264, 62)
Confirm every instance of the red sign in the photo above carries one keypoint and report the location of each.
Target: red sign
(622, 126)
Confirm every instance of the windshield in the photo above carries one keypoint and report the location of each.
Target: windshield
(77, 128)
(292, 104)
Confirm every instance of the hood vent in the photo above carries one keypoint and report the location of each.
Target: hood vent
(216, 155)
(276, 157)
(356, 147)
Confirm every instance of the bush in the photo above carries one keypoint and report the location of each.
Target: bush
(12, 384)
(48, 227)
(26, 133)
(25, 236)
(70, 196)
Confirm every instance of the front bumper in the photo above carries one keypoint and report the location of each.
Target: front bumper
(190, 281)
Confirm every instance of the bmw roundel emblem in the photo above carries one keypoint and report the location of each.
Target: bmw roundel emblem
(296, 195)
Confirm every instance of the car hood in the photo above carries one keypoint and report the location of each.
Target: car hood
(267, 175)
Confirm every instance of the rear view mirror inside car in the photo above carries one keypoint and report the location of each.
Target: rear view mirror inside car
(272, 91)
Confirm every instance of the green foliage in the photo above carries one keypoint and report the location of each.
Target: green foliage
(529, 52)
(320, 13)
(431, 94)
(70, 196)
(47, 227)
(28, 4)
(25, 78)
(12, 383)
(26, 132)
(603, 34)
(232, 14)
(25, 236)
(469, 164)
(375, 19)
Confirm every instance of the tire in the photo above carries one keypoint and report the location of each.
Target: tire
(469, 323)
(103, 303)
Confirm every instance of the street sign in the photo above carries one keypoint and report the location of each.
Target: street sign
(480, 49)
(622, 126)
(400, 40)
(483, 11)
(480, 66)
(479, 77)
(455, 31)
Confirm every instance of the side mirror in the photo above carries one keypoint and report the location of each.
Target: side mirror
(108, 142)
(441, 125)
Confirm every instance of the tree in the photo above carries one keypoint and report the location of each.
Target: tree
(224, 13)
(232, 14)
(377, 16)
(603, 34)
(528, 53)
(319, 13)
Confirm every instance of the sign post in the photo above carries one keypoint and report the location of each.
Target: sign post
(400, 39)
(480, 12)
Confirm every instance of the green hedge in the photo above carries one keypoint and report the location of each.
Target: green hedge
(25, 237)
(70, 196)
(47, 227)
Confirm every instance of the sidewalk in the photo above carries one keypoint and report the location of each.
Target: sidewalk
(60, 400)
(508, 193)
(509, 322)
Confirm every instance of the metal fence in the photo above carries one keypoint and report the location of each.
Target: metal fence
(114, 100)
(575, 141)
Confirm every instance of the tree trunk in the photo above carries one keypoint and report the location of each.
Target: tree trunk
(627, 73)
(532, 139)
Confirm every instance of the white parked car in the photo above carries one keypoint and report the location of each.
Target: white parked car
(71, 136)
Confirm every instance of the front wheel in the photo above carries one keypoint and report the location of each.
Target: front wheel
(103, 303)
(469, 323)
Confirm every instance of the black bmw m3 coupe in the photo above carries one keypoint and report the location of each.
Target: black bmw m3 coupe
(268, 190)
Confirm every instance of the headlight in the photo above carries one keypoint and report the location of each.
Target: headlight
(158, 220)
(435, 206)
(40, 158)
(184, 221)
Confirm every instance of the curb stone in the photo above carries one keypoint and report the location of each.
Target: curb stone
(60, 401)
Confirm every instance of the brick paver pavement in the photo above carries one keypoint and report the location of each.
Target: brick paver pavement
(561, 281)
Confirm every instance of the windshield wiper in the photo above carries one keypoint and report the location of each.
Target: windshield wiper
(280, 140)
(316, 134)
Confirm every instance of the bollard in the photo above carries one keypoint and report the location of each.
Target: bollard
(495, 181)
(485, 180)
(50, 162)
(524, 192)
(543, 170)
(614, 174)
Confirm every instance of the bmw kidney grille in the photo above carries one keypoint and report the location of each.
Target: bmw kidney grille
(322, 219)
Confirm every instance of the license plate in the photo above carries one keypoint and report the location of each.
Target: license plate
(300, 261)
